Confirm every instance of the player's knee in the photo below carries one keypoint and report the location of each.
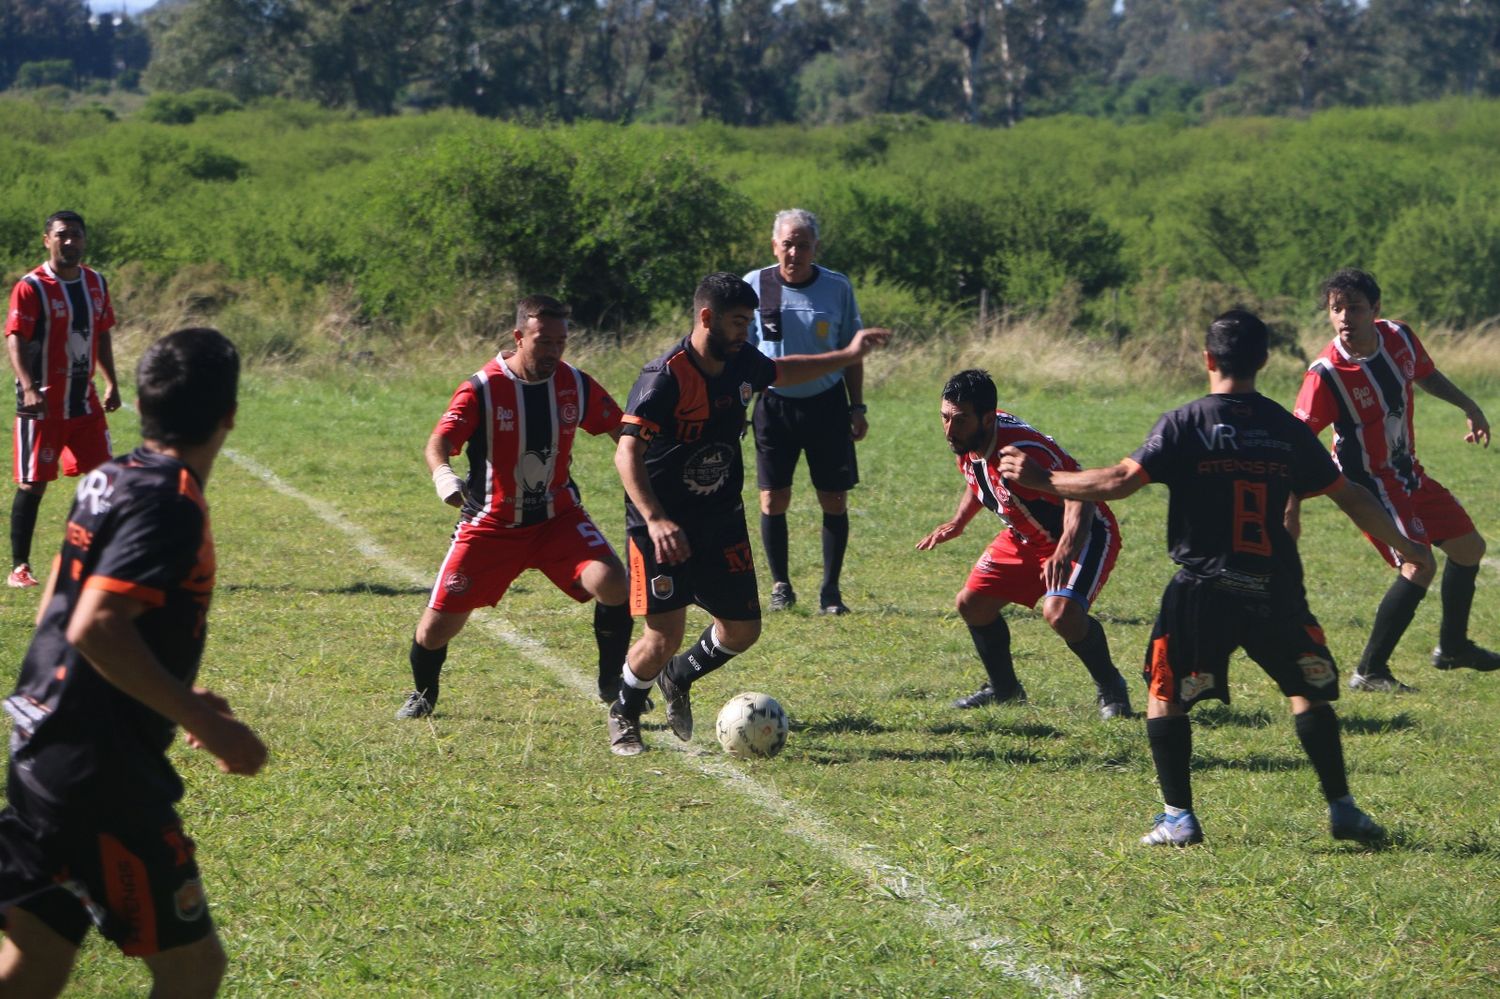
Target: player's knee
(974, 609)
(1066, 618)
(194, 972)
(773, 502)
(834, 503)
(738, 635)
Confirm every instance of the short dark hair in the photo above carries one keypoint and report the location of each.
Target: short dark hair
(1238, 342)
(185, 384)
(721, 291)
(1347, 280)
(540, 306)
(63, 216)
(974, 386)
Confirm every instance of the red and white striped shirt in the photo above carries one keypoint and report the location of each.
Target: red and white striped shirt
(1368, 401)
(519, 439)
(61, 322)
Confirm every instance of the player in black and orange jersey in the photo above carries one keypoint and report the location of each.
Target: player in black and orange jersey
(517, 418)
(1058, 552)
(56, 332)
(1232, 460)
(679, 457)
(91, 834)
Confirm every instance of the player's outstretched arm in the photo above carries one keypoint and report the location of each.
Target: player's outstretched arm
(968, 507)
(1369, 516)
(103, 629)
(1438, 385)
(797, 368)
(1111, 483)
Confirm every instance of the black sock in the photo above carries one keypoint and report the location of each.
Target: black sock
(1458, 597)
(632, 700)
(992, 642)
(1171, 741)
(1093, 651)
(835, 543)
(702, 657)
(1318, 731)
(1392, 617)
(23, 512)
(426, 665)
(773, 537)
(612, 627)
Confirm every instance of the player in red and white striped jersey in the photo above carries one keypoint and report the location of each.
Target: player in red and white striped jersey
(56, 332)
(517, 418)
(1361, 384)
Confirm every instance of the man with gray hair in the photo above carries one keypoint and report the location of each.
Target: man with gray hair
(806, 309)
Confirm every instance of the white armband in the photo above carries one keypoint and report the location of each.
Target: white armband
(447, 482)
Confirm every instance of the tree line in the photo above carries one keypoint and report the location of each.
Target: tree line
(757, 62)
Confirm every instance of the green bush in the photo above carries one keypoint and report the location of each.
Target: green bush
(1440, 260)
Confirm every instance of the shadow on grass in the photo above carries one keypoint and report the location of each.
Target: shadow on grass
(1362, 725)
(838, 725)
(1254, 762)
(1225, 716)
(360, 588)
(1030, 730)
(949, 755)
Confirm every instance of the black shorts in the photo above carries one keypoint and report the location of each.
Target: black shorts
(719, 576)
(785, 427)
(1202, 621)
(134, 878)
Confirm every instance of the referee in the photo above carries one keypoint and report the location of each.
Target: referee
(806, 309)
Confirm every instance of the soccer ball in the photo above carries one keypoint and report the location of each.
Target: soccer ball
(752, 725)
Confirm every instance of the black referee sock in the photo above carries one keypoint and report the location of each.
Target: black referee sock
(702, 657)
(1392, 618)
(835, 543)
(23, 512)
(1458, 598)
(612, 627)
(1093, 651)
(1318, 731)
(426, 666)
(992, 642)
(773, 538)
(1171, 741)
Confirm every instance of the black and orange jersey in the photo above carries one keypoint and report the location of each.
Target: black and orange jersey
(692, 423)
(139, 527)
(1231, 462)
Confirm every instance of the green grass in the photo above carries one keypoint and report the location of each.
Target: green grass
(501, 848)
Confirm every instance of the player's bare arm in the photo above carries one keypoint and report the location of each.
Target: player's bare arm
(106, 359)
(31, 394)
(667, 536)
(1078, 517)
(798, 368)
(1096, 484)
(450, 487)
(968, 507)
(103, 629)
(1291, 517)
(854, 379)
(1369, 516)
(1438, 386)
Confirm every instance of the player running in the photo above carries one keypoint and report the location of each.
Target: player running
(56, 333)
(679, 458)
(518, 416)
(91, 834)
(1362, 385)
(1231, 460)
(1058, 552)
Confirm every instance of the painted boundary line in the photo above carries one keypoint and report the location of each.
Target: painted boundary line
(998, 953)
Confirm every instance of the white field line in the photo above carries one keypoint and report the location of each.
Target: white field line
(999, 953)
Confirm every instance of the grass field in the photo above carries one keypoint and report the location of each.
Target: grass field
(897, 847)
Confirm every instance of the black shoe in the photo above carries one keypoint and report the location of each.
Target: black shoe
(679, 706)
(1468, 656)
(1114, 700)
(625, 735)
(986, 695)
(832, 604)
(782, 597)
(1380, 683)
(416, 706)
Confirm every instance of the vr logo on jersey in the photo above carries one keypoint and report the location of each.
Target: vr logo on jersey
(1220, 437)
(1315, 670)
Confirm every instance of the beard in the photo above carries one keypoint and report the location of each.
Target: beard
(719, 345)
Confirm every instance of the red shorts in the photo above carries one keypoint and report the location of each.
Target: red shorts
(1430, 515)
(484, 560)
(80, 443)
(1012, 572)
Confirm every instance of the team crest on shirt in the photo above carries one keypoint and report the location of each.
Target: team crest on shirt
(48, 455)
(1315, 669)
(1408, 368)
(189, 902)
(1195, 684)
(455, 582)
(662, 587)
(707, 469)
(745, 393)
(569, 413)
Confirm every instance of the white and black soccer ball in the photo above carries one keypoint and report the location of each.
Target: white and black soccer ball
(752, 726)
